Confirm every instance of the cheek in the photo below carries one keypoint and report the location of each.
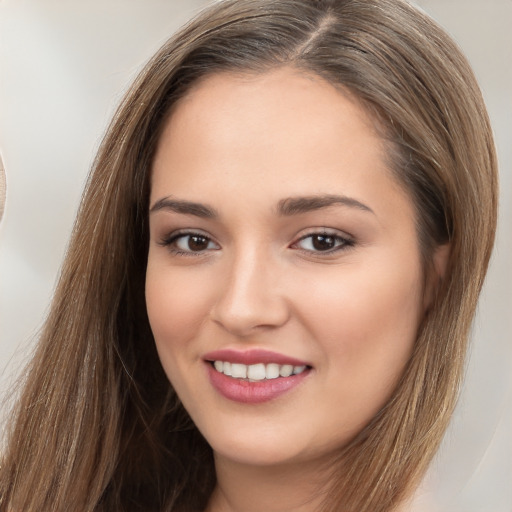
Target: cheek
(177, 304)
(367, 317)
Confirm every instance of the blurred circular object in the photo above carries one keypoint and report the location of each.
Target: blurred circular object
(2, 188)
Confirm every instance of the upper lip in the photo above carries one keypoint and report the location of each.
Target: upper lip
(252, 356)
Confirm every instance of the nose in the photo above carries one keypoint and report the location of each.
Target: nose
(252, 296)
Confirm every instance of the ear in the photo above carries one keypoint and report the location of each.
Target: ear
(436, 273)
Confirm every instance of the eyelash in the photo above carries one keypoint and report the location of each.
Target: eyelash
(341, 243)
(170, 243)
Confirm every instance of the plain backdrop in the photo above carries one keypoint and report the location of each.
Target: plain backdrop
(63, 68)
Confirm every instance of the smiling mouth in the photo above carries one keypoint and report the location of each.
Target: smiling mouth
(257, 372)
(254, 376)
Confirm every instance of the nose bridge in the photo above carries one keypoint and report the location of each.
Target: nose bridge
(251, 296)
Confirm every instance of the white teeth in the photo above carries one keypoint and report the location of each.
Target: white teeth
(239, 371)
(257, 372)
(272, 371)
(286, 370)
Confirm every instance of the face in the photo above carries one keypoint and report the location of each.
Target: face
(284, 283)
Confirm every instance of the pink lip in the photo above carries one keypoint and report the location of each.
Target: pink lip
(244, 391)
(253, 356)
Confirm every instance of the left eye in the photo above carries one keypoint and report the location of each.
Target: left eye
(322, 242)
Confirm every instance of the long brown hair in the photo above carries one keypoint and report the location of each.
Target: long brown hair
(98, 426)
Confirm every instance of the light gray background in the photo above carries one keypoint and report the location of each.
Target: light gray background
(64, 67)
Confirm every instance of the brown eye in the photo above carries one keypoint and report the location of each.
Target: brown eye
(323, 242)
(197, 242)
(189, 243)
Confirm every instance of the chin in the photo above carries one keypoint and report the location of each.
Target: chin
(267, 446)
(255, 453)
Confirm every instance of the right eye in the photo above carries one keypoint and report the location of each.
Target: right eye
(189, 243)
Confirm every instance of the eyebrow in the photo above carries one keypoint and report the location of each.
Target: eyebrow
(297, 205)
(286, 207)
(184, 207)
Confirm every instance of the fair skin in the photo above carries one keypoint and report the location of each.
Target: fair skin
(276, 226)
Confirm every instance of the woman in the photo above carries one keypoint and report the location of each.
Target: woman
(268, 292)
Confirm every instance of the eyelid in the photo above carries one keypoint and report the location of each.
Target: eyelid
(348, 241)
(169, 239)
(344, 240)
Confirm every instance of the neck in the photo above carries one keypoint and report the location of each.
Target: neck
(284, 488)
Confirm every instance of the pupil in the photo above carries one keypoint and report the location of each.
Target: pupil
(323, 242)
(197, 243)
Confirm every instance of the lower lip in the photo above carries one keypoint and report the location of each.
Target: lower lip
(247, 392)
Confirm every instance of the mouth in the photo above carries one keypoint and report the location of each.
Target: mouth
(254, 376)
(257, 372)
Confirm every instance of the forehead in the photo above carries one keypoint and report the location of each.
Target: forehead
(281, 98)
(285, 131)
